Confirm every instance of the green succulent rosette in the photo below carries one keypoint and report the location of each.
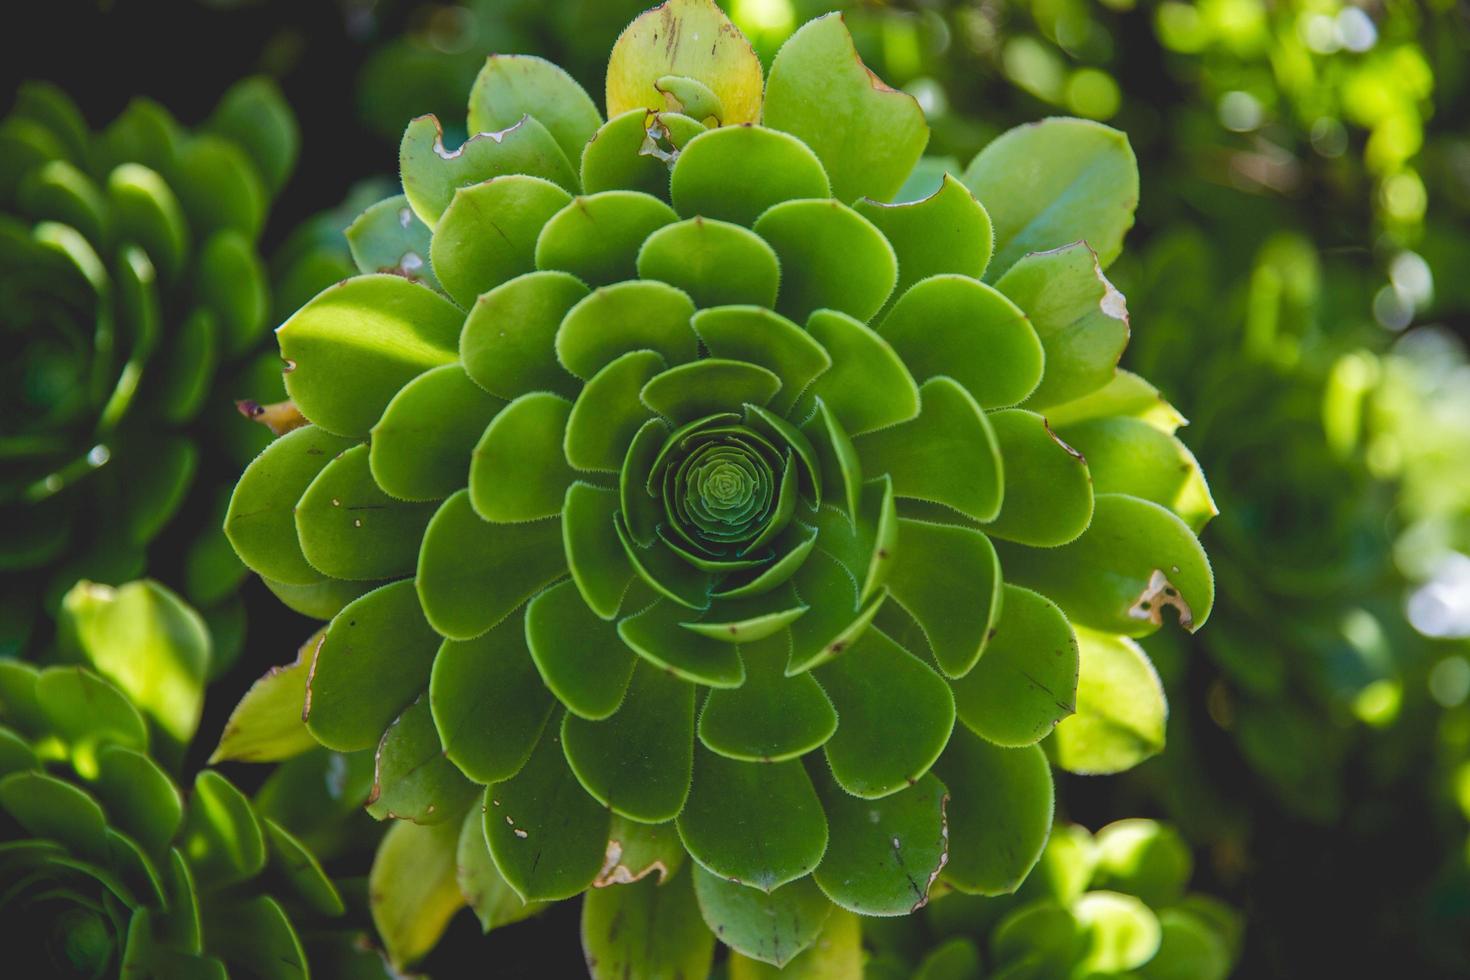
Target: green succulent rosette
(108, 869)
(1113, 904)
(134, 295)
(676, 502)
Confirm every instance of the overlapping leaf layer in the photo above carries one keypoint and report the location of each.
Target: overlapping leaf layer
(671, 483)
(1113, 904)
(107, 869)
(132, 287)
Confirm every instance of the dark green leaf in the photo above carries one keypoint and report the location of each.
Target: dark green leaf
(547, 835)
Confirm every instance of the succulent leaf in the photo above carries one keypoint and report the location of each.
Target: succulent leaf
(711, 458)
(108, 866)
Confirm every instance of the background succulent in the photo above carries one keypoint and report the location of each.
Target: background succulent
(1106, 905)
(667, 477)
(133, 282)
(108, 868)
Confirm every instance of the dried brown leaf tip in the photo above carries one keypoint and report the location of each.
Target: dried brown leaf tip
(279, 417)
(1156, 595)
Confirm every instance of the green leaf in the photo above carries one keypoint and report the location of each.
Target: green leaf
(769, 926)
(832, 258)
(1128, 455)
(86, 713)
(657, 634)
(992, 848)
(1134, 559)
(412, 778)
(290, 862)
(838, 613)
(219, 188)
(1048, 497)
(691, 39)
(418, 449)
(894, 716)
(1188, 950)
(638, 761)
(630, 151)
(266, 726)
(231, 283)
(867, 387)
(254, 114)
(1081, 319)
(579, 655)
(608, 413)
(771, 717)
(646, 930)
(488, 702)
(947, 232)
(597, 237)
(953, 325)
(507, 342)
(715, 262)
(940, 567)
(351, 348)
(836, 954)
(20, 703)
(145, 211)
(707, 386)
(1121, 933)
(350, 529)
(261, 520)
(837, 457)
(140, 799)
(187, 367)
(1143, 858)
(412, 887)
(374, 659)
(947, 454)
(1127, 394)
(53, 809)
(221, 835)
(547, 835)
(1065, 869)
(1055, 182)
(957, 959)
(319, 600)
(431, 174)
(389, 237)
(736, 173)
(146, 640)
(1121, 711)
(16, 755)
(472, 574)
(757, 823)
(518, 472)
(595, 555)
(758, 336)
(885, 854)
(1037, 940)
(623, 317)
(254, 937)
(493, 901)
(641, 510)
(866, 134)
(512, 86)
(1027, 680)
(487, 234)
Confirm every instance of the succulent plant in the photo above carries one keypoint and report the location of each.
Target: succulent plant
(133, 286)
(108, 869)
(1114, 904)
(649, 457)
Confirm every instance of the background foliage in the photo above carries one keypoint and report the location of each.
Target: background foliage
(1295, 292)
